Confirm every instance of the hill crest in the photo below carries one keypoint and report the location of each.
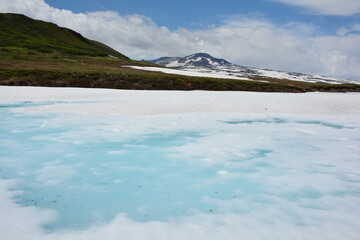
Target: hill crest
(20, 31)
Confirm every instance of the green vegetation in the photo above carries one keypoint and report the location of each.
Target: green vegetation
(37, 53)
(125, 78)
(23, 32)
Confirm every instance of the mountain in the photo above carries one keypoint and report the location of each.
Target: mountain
(203, 62)
(23, 32)
(38, 53)
(197, 60)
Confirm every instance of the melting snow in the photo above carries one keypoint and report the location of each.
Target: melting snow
(188, 73)
(96, 163)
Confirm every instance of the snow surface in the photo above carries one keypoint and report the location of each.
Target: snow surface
(175, 64)
(119, 164)
(256, 72)
(107, 101)
(188, 73)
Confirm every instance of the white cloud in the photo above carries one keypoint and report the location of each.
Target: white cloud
(247, 41)
(327, 7)
(349, 30)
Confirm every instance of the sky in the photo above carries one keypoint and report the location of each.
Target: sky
(309, 36)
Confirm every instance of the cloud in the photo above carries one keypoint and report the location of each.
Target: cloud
(327, 7)
(352, 29)
(249, 41)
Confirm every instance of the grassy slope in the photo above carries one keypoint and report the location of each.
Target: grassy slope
(23, 32)
(38, 53)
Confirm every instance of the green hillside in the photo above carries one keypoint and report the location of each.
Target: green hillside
(23, 32)
(38, 53)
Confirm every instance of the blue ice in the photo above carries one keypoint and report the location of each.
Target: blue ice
(160, 174)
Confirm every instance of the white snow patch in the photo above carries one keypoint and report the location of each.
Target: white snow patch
(175, 64)
(188, 73)
(111, 101)
(113, 57)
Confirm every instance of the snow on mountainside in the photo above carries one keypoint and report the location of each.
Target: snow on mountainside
(198, 60)
(205, 63)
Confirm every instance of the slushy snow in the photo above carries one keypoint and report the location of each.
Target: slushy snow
(87, 164)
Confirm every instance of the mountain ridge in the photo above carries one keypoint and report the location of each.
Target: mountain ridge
(18, 30)
(203, 62)
(193, 60)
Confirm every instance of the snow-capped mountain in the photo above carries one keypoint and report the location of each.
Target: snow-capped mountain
(198, 60)
(205, 63)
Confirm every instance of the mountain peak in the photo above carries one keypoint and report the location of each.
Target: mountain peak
(204, 62)
(197, 60)
(204, 55)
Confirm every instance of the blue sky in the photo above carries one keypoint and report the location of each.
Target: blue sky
(308, 36)
(202, 13)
